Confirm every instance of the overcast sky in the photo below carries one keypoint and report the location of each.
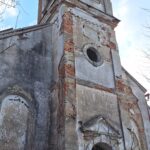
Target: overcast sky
(131, 31)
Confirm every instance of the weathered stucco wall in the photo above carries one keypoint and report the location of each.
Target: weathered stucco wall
(138, 92)
(101, 93)
(131, 111)
(97, 103)
(26, 73)
(89, 32)
(93, 102)
(57, 104)
(62, 85)
(97, 118)
(14, 111)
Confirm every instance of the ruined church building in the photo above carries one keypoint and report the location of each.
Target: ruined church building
(62, 86)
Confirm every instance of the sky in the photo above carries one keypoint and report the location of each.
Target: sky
(131, 33)
(132, 36)
(24, 14)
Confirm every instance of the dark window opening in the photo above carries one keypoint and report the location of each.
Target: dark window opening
(101, 146)
(97, 147)
(91, 52)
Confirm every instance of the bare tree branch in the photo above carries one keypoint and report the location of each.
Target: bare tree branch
(4, 5)
(12, 3)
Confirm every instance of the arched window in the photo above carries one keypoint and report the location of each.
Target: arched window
(101, 146)
(14, 111)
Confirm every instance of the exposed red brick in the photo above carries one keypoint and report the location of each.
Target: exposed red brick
(141, 130)
(130, 104)
(68, 23)
(120, 86)
(125, 106)
(128, 90)
(69, 70)
(93, 85)
(138, 116)
(70, 110)
(61, 71)
(99, 87)
(69, 46)
(69, 86)
(112, 45)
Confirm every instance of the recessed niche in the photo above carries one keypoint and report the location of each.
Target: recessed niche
(93, 55)
(14, 115)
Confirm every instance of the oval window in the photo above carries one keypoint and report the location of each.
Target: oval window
(93, 55)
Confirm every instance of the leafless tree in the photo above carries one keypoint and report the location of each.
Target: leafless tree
(146, 56)
(144, 68)
(6, 4)
(146, 65)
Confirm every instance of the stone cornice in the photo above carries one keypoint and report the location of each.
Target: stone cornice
(100, 15)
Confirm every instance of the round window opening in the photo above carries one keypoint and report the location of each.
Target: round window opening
(92, 54)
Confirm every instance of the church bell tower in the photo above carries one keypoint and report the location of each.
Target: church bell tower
(88, 66)
(85, 105)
